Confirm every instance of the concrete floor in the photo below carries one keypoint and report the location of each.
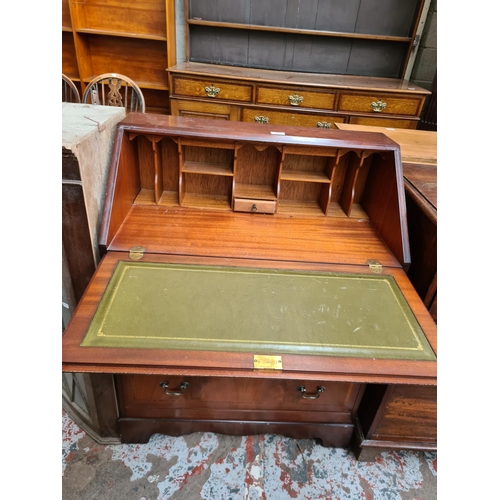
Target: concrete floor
(216, 467)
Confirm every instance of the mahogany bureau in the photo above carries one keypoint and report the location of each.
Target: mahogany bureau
(253, 281)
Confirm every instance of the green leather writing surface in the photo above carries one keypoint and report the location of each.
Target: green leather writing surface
(166, 306)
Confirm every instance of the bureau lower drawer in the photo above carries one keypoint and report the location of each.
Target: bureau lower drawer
(299, 98)
(380, 104)
(214, 89)
(151, 396)
(262, 115)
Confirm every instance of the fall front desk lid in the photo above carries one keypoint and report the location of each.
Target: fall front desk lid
(167, 306)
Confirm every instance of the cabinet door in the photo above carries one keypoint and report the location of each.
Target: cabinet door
(199, 109)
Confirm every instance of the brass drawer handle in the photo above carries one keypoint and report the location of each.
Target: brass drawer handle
(182, 387)
(323, 125)
(304, 394)
(295, 99)
(378, 106)
(261, 119)
(212, 91)
(254, 207)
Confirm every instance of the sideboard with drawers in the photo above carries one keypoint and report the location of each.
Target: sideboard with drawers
(292, 98)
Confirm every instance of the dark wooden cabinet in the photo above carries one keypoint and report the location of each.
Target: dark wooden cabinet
(254, 281)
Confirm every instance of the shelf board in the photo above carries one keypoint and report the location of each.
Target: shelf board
(297, 31)
(197, 167)
(67, 29)
(252, 191)
(123, 34)
(145, 197)
(169, 199)
(303, 176)
(295, 207)
(206, 201)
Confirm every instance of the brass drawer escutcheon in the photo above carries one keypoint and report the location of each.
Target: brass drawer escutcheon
(324, 125)
(262, 362)
(295, 99)
(212, 91)
(378, 106)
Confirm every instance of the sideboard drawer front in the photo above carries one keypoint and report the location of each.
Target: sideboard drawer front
(383, 121)
(295, 98)
(254, 206)
(380, 104)
(211, 89)
(143, 396)
(290, 118)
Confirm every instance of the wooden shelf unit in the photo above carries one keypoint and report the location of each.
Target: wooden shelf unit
(314, 64)
(355, 37)
(134, 38)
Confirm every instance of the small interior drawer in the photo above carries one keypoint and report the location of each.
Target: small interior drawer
(254, 206)
(295, 98)
(380, 104)
(211, 89)
(263, 115)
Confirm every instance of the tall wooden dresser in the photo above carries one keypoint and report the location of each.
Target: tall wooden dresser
(253, 281)
(311, 64)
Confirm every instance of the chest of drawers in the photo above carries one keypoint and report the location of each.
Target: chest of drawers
(290, 98)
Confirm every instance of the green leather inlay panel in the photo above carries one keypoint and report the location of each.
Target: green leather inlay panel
(165, 306)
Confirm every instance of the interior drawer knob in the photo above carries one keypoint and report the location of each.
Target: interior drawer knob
(305, 395)
(180, 392)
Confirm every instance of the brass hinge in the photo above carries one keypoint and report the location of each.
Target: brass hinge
(375, 266)
(267, 362)
(136, 253)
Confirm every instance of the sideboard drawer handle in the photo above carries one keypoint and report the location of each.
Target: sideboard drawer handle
(324, 125)
(261, 119)
(182, 388)
(295, 99)
(304, 394)
(378, 106)
(212, 91)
